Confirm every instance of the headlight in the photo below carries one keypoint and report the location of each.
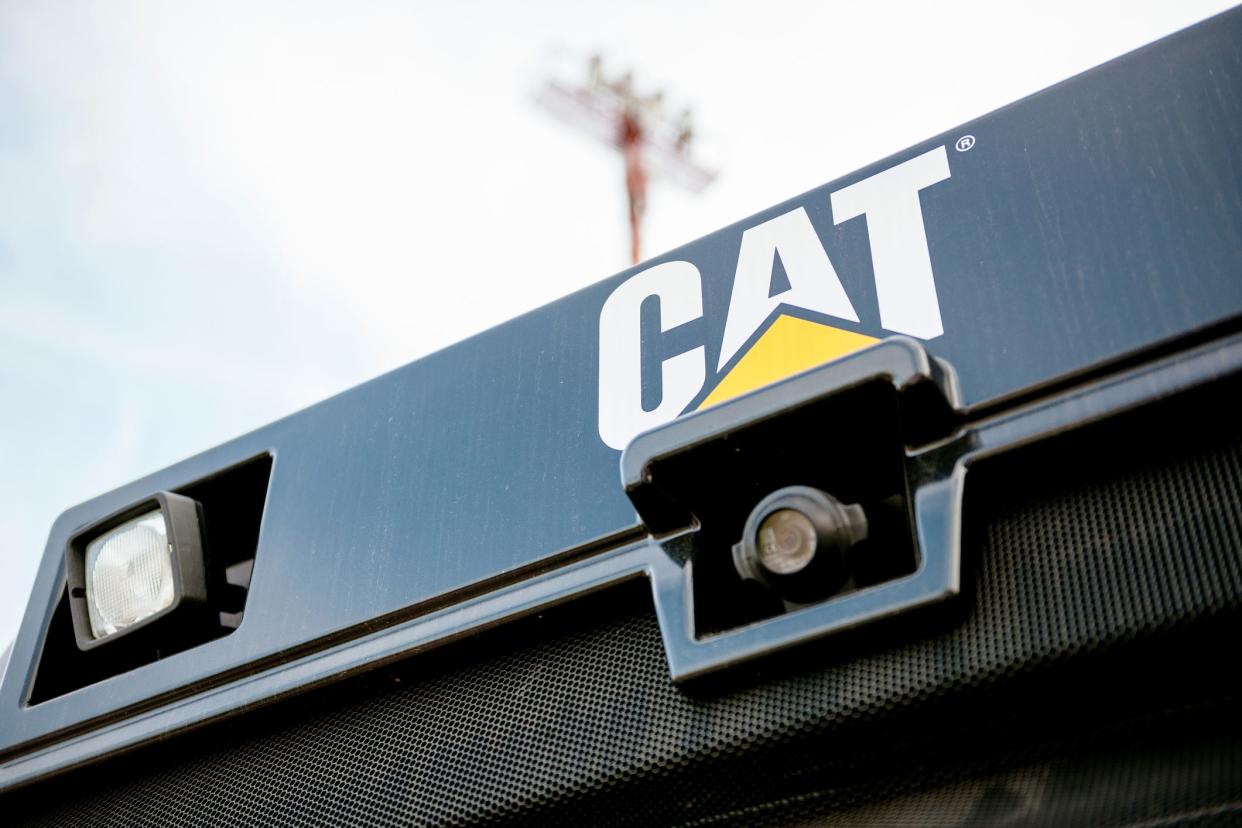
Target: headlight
(129, 574)
(137, 567)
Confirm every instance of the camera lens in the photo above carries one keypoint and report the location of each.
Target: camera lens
(786, 542)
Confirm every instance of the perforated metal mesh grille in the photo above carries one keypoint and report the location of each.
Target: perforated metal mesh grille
(1153, 784)
(1098, 616)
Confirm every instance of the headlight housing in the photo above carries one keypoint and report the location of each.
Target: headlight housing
(140, 569)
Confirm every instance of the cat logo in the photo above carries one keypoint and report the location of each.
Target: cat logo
(905, 291)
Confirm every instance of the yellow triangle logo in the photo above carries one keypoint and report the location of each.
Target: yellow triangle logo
(787, 347)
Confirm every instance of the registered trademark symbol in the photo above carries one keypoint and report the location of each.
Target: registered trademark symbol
(965, 142)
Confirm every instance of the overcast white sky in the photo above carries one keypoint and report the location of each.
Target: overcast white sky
(212, 215)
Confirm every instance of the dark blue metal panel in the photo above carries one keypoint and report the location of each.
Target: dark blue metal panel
(1084, 222)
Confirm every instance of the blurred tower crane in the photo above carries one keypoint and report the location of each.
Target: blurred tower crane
(649, 140)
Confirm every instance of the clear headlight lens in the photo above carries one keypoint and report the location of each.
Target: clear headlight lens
(129, 574)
